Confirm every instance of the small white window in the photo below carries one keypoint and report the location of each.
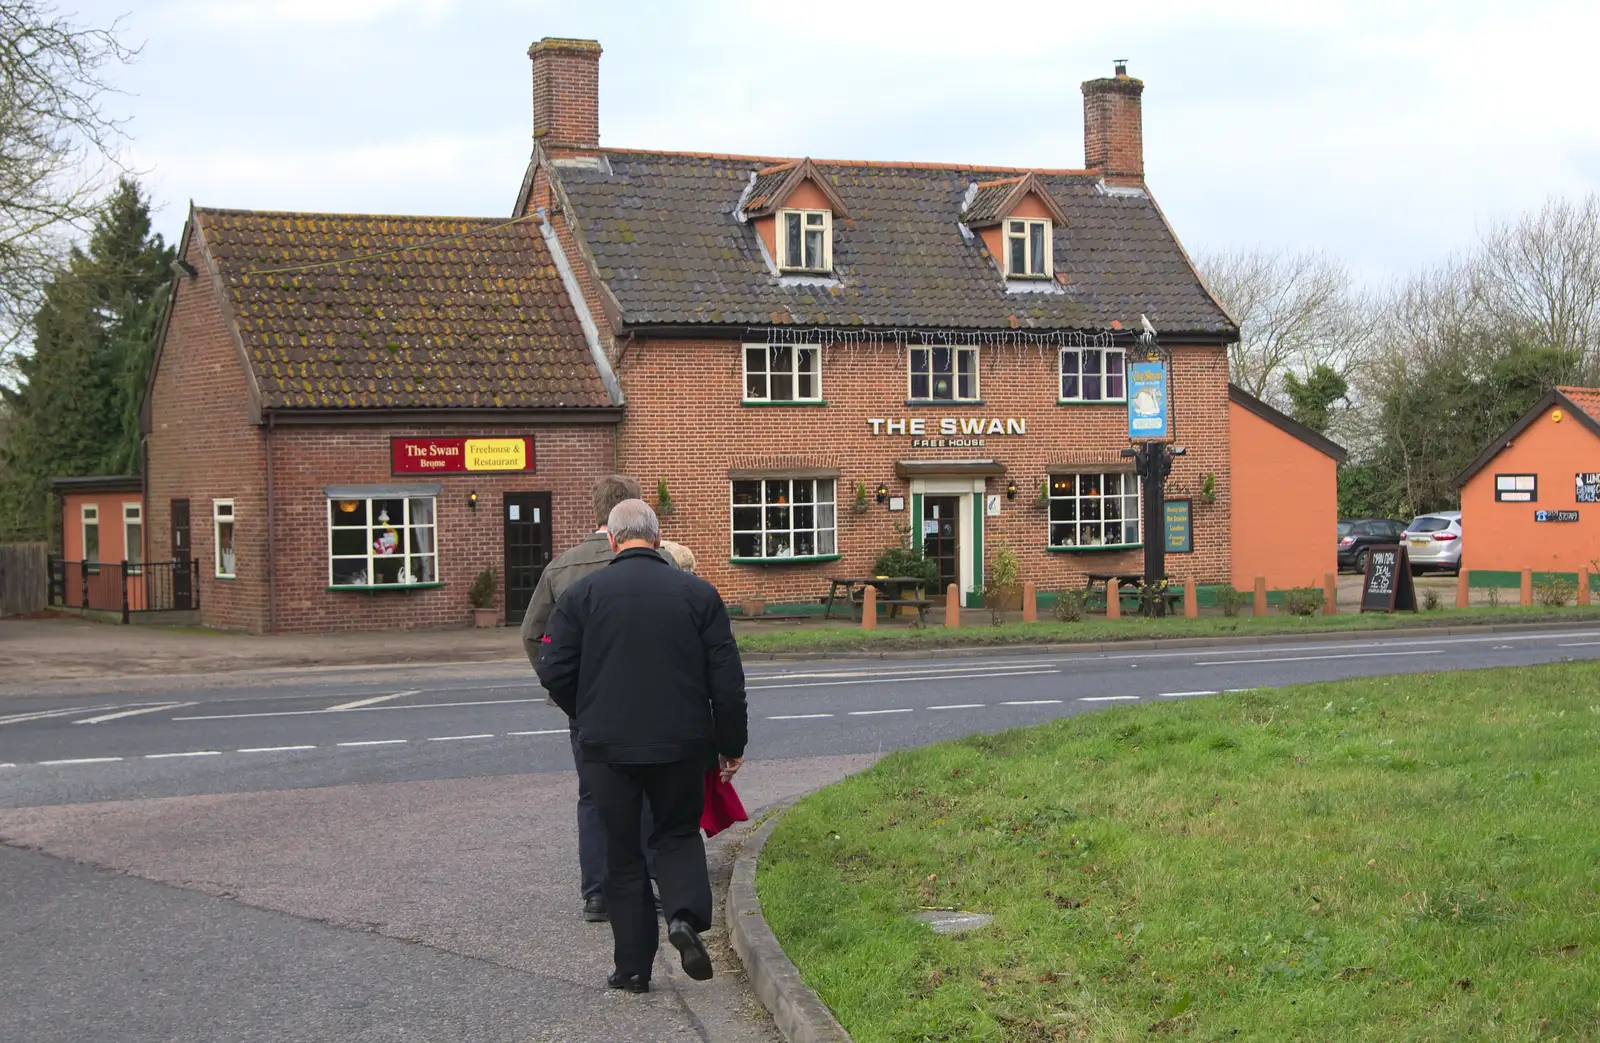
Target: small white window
(382, 542)
(944, 374)
(1095, 510)
(1093, 375)
(1028, 249)
(805, 240)
(91, 536)
(223, 538)
(132, 536)
(782, 373)
(777, 518)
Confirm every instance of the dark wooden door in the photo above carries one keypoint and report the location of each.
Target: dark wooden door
(527, 522)
(941, 540)
(182, 585)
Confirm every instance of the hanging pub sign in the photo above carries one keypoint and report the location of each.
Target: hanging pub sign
(426, 455)
(1178, 527)
(1589, 487)
(1149, 418)
(1387, 585)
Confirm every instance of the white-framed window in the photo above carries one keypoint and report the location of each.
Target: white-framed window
(1093, 375)
(382, 541)
(133, 536)
(805, 240)
(782, 373)
(222, 542)
(944, 374)
(1028, 248)
(89, 519)
(784, 518)
(1095, 510)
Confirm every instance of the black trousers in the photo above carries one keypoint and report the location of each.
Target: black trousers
(676, 793)
(592, 835)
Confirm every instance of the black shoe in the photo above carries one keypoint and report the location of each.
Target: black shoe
(696, 960)
(627, 982)
(594, 909)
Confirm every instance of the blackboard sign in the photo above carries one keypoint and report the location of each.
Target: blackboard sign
(1387, 586)
(1178, 527)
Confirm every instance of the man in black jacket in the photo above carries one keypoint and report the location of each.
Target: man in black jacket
(642, 656)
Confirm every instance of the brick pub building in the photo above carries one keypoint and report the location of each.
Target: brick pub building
(822, 358)
(350, 417)
(816, 360)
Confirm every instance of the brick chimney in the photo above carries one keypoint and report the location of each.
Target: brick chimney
(1113, 127)
(566, 92)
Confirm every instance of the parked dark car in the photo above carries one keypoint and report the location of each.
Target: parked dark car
(1357, 535)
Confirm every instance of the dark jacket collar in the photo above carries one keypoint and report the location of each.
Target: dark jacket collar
(640, 552)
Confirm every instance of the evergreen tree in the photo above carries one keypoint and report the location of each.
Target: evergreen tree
(1314, 397)
(75, 410)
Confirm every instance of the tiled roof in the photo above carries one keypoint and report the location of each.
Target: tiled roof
(427, 312)
(767, 184)
(663, 233)
(1586, 399)
(988, 202)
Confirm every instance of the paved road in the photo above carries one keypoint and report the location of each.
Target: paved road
(390, 856)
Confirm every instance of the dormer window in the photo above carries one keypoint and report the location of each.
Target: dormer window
(807, 240)
(1027, 249)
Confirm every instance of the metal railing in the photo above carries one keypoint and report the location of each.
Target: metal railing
(124, 586)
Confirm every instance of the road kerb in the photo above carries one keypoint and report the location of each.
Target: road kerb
(799, 1014)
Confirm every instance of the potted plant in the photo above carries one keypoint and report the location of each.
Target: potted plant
(1208, 489)
(753, 606)
(1043, 499)
(664, 504)
(481, 594)
(1003, 592)
(861, 504)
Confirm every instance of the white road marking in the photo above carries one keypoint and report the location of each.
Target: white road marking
(1108, 698)
(131, 713)
(373, 742)
(1031, 702)
(190, 753)
(958, 706)
(953, 668)
(547, 731)
(273, 749)
(873, 713)
(455, 738)
(1578, 644)
(359, 709)
(1185, 695)
(40, 715)
(371, 701)
(1310, 658)
(79, 760)
(799, 716)
(903, 680)
(1095, 657)
(7, 765)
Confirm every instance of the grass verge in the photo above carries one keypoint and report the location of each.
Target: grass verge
(979, 633)
(1390, 859)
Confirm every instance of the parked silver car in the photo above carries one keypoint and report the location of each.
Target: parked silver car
(1434, 541)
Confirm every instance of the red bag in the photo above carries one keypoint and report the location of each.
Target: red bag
(723, 806)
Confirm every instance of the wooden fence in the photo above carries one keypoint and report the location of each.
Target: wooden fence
(24, 578)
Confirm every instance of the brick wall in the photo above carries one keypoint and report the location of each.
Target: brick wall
(203, 446)
(307, 459)
(685, 423)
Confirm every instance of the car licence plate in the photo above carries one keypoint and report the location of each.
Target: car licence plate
(1420, 543)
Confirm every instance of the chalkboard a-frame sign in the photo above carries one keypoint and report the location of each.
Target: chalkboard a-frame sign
(1387, 585)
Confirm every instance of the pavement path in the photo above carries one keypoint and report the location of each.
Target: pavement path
(393, 858)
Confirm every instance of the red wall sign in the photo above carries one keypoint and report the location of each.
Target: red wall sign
(461, 455)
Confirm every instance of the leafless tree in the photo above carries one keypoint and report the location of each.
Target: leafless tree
(1540, 275)
(57, 147)
(1295, 311)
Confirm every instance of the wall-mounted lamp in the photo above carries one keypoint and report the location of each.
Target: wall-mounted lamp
(883, 493)
(1011, 489)
(472, 500)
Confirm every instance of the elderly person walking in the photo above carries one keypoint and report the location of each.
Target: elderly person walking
(571, 565)
(642, 656)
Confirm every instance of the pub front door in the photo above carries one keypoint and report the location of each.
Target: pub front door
(527, 535)
(941, 538)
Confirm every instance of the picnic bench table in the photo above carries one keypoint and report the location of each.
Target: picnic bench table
(890, 586)
(1130, 581)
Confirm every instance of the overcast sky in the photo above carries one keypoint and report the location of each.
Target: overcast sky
(1387, 133)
